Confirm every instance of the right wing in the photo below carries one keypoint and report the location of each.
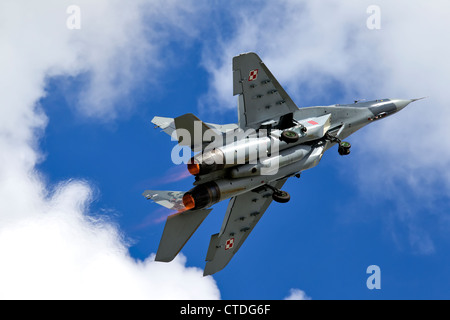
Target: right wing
(243, 213)
(261, 97)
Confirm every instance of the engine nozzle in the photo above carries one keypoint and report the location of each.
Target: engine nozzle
(202, 196)
(188, 201)
(207, 162)
(193, 168)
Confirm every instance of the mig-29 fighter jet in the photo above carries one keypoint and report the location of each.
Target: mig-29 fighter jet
(272, 141)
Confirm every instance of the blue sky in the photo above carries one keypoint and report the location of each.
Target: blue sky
(80, 144)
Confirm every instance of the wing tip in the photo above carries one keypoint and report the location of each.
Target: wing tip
(247, 55)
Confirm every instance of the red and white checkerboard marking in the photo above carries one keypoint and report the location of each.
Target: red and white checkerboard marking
(312, 122)
(253, 75)
(229, 244)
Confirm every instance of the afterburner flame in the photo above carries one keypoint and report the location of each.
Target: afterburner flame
(194, 168)
(188, 201)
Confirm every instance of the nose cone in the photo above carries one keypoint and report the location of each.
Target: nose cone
(401, 103)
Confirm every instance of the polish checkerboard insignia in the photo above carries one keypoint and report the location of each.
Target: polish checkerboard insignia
(229, 244)
(253, 75)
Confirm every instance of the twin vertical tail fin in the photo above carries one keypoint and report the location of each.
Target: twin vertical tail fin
(179, 226)
(178, 230)
(188, 130)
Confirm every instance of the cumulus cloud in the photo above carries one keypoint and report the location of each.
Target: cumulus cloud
(297, 294)
(324, 49)
(315, 49)
(59, 251)
(51, 245)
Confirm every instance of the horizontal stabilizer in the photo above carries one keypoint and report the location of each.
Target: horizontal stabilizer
(177, 231)
(172, 200)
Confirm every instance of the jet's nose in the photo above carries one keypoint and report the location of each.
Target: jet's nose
(402, 103)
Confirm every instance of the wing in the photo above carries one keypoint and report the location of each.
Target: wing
(243, 213)
(261, 97)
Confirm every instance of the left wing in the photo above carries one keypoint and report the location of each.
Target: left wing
(243, 213)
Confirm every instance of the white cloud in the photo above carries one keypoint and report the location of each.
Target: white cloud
(297, 294)
(51, 245)
(59, 251)
(318, 49)
(120, 49)
(310, 47)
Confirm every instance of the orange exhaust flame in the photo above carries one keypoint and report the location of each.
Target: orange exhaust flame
(193, 168)
(155, 217)
(188, 201)
(176, 174)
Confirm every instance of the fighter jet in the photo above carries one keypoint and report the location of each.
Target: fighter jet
(248, 162)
